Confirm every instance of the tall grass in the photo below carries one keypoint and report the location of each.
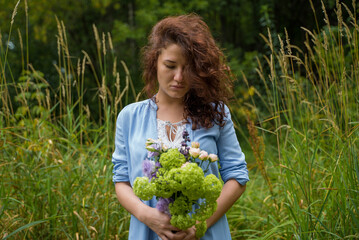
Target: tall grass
(312, 116)
(55, 167)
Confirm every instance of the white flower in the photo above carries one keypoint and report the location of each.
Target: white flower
(194, 152)
(203, 155)
(195, 144)
(164, 148)
(150, 141)
(213, 157)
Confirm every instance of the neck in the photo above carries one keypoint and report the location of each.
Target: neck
(169, 102)
(170, 110)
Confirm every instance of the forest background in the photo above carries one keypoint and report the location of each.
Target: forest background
(68, 67)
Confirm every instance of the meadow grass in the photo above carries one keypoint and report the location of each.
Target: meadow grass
(306, 184)
(55, 157)
(55, 163)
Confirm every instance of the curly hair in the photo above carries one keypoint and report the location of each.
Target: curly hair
(207, 72)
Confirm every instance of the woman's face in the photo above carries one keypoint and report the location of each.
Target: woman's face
(170, 66)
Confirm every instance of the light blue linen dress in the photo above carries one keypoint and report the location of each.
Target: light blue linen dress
(137, 122)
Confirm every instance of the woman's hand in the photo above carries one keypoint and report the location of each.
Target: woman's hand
(160, 223)
(191, 234)
(154, 219)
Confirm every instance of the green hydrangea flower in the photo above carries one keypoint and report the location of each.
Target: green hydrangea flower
(201, 229)
(205, 210)
(183, 221)
(143, 188)
(180, 206)
(192, 179)
(164, 186)
(212, 188)
(172, 159)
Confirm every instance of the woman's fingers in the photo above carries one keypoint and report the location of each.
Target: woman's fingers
(178, 235)
(190, 234)
(161, 225)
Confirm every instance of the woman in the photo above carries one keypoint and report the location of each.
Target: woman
(187, 82)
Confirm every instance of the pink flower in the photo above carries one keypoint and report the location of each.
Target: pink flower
(150, 141)
(213, 157)
(195, 144)
(185, 164)
(203, 155)
(194, 152)
(164, 148)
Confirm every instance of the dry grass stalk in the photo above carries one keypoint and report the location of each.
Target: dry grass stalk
(104, 43)
(258, 149)
(97, 38)
(14, 13)
(110, 41)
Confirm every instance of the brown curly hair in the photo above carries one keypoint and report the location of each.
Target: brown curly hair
(209, 76)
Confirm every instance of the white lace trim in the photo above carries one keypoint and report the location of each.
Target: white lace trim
(175, 129)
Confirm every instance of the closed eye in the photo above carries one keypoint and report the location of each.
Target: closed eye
(170, 66)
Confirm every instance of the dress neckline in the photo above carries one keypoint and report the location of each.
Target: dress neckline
(175, 129)
(170, 123)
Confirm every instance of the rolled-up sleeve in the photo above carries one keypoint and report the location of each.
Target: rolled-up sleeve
(231, 158)
(119, 158)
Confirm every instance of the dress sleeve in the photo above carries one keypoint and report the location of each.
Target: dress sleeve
(119, 158)
(231, 158)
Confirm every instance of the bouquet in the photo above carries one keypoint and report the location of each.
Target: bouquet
(176, 178)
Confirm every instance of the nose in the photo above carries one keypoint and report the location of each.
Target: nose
(179, 75)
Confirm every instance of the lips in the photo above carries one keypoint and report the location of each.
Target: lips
(177, 86)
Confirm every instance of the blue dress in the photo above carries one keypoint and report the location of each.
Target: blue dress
(137, 122)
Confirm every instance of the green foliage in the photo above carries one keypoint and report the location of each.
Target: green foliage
(56, 124)
(55, 169)
(310, 177)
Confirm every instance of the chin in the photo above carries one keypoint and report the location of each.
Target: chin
(177, 96)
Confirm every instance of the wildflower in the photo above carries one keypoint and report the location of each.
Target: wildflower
(164, 148)
(150, 141)
(151, 154)
(155, 147)
(213, 157)
(203, 155)
(184, 150)
(194, 152)
(195, 144)
(148, 168)
(162, 205)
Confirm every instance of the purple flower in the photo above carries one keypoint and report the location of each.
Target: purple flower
(154, 147)
(152, 154)
(184, 151)
(154, 175)
(156, 167)
(148, 168)
(162, 205)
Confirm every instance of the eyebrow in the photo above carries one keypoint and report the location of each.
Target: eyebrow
(168, 60)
